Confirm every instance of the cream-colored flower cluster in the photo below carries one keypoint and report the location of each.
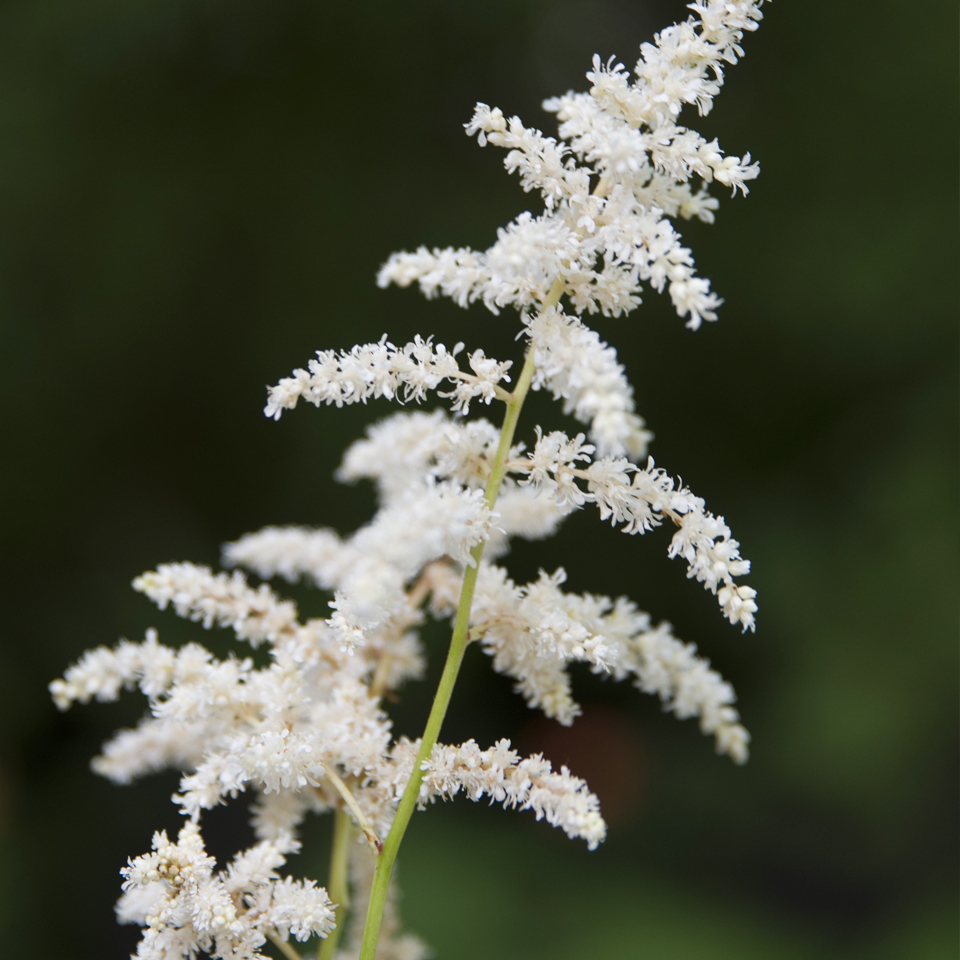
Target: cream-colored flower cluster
(380, 369)
(307, 731)
(185, 907)
(609, 239)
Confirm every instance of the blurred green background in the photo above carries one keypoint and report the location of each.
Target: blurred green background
(195, 195)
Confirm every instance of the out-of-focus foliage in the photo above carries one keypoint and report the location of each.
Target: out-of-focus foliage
(196, 195)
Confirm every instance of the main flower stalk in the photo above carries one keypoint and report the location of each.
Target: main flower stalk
(458, 645)
(296, 733)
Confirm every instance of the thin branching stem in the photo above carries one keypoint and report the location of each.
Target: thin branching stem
(348, 798)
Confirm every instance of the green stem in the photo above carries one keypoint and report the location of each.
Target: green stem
(338, 887)
(285, 948)
(458, 645)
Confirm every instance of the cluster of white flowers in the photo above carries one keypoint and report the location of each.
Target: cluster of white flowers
(561, 799)
(200, 595)
(575, 364)
(371, 370)
(608, 241)
(640, 504)
(533, 632)
(429, 472)
(185, 907)
(308, 731)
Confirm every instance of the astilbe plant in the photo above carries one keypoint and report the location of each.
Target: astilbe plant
(308, 733)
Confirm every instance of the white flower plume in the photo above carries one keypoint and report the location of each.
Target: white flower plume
(369, 569)
(606, 243)
(640, 499)
(185, 908)
(380, 369)
(575, 364)
(560, 798)
(533, 632)
(223, 599)
(300, 727)
(447, 520)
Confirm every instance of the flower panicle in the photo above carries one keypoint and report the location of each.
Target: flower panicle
(607, 240)
(641, 498)
(301, 728)
(533, 632)
(558, 797)
(372, 370)
(185, 907)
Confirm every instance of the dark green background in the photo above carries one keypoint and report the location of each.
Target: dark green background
(194, 196)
